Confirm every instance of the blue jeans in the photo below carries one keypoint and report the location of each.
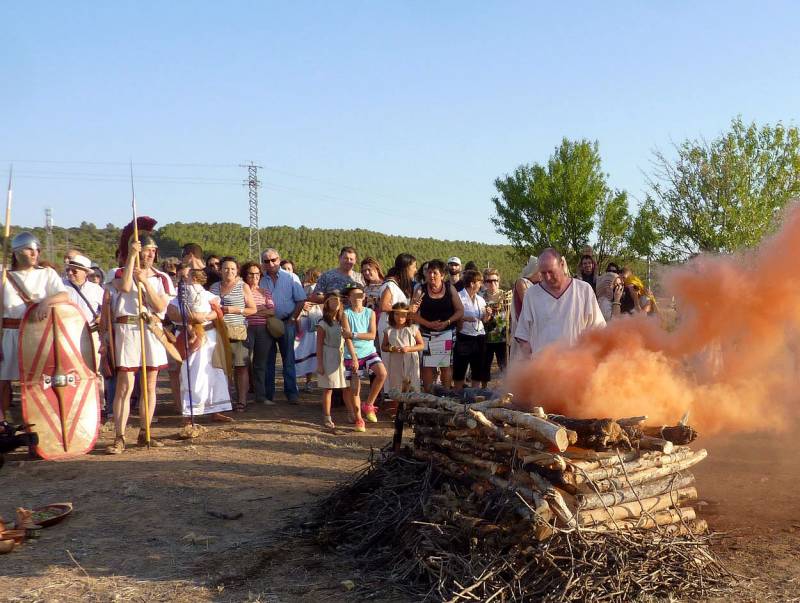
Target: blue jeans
(262, 346)
(286, 346)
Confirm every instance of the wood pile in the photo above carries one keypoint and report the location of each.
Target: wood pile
(601, 475)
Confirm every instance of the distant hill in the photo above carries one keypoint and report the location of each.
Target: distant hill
(306, 247)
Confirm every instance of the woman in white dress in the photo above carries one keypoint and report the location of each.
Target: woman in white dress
(397, 288)
(204, 387)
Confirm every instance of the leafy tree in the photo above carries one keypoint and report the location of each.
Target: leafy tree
(613, 226)
(555, 205)
(726, 194)
(645, 233)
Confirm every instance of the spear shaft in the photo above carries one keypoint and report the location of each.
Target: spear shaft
(6, 237)
(141, 311)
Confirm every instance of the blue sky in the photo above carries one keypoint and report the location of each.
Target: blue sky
(391, 116)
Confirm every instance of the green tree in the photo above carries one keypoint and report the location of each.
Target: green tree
(645, 233)
(554, 205)
(726, 194)
(613, 226)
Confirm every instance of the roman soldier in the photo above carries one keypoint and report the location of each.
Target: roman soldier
(156, 291)
(26, 285)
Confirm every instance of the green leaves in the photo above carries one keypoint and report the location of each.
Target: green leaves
(558, 205)
(726, 194)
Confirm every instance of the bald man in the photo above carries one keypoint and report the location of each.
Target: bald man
(558, 308)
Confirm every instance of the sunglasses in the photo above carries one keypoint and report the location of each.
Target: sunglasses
(492, 280)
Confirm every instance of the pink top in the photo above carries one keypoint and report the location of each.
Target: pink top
(263, 299)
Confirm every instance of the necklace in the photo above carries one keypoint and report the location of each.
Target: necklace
(436, 291)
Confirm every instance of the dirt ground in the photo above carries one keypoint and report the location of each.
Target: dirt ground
(142, 528)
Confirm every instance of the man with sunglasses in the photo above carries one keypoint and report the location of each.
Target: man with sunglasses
(289, 298)
(82, 292)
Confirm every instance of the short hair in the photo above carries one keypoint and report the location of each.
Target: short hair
(192, 249)
(471, 266)
(227, 258)
(436, 265)
(170, 264)
(471, 276)
(246, 268)
(214, 255)
(491, 272)
(348, 249)
(267, 250)
(550, 252)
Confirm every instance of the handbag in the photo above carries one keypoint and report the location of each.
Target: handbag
(237, 332)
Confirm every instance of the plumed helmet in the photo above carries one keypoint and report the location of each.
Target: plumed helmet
(145, 225)
(25, 240)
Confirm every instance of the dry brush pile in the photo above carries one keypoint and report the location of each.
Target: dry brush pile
(493, 504)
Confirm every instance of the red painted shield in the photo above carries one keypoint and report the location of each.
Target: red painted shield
(60, 393)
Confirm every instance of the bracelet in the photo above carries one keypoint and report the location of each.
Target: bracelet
(616, 303)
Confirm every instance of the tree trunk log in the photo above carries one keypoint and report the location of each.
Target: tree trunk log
(544, 431)
(596, 434)
(631, 467)
(650, 443)
(644, 475)
(594, 500)
(661, 518)
(677, 434)
(638, 508)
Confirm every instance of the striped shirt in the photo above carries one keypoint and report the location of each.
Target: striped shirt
(234, 298)
(263, 299)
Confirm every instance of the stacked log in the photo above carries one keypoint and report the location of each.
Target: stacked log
(593, 474)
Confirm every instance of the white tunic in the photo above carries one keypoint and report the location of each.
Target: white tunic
(127, 342)
(39, 283)
(209, 385)
(545, 319)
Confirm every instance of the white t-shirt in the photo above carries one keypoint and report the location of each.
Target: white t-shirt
(472, 309)
(545, 319)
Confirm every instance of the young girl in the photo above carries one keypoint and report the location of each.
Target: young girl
(401, 342)
(330, 357)
(360, 326)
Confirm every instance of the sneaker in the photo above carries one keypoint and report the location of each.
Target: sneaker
(267, 402)
(368, 410)
(118, 447)
(328, 423)
(361, 427)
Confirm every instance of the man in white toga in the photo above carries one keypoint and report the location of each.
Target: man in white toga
(559, 308)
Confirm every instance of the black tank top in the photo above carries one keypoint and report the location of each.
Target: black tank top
(437, 309)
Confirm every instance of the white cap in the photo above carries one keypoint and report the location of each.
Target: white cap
(454, 260)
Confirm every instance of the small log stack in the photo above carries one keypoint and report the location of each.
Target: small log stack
(594, 474)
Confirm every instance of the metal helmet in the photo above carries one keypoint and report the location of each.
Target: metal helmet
(25, 240)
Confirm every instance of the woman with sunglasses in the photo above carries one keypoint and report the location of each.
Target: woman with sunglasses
(257, 334)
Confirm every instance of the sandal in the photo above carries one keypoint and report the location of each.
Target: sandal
(141, 440)
(328, 423)
(239, 407)
(118, 447)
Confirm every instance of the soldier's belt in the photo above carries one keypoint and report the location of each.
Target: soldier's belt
(127, 320)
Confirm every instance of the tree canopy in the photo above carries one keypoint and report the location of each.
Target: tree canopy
(726, 194)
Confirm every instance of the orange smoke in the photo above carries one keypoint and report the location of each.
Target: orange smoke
(732, 359)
